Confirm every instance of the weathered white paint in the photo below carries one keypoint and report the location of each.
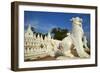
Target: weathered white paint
(75, 38)
(32, 44)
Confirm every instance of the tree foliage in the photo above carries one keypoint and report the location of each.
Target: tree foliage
(59, 33)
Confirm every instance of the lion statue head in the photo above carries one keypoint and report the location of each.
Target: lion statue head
(77, 21)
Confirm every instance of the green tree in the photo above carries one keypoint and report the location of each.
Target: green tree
(59, 33)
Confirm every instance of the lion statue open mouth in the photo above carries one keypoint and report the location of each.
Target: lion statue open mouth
(76, 39)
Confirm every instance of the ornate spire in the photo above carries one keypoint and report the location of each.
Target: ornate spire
(29, 32)
(34, 36)
(49, 36)
(29, 28)
(41, 38)
(45, 38)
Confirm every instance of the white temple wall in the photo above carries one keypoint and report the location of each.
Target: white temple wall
(32, 44)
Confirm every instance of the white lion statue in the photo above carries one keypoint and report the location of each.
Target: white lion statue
(75, 39)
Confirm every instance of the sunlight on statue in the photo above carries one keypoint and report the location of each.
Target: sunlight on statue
(74, 40)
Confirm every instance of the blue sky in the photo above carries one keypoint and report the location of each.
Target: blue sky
(45, 21)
